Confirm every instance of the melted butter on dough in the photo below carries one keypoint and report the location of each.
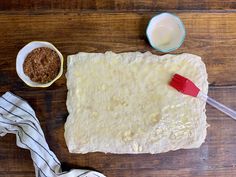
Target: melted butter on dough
(122, 103)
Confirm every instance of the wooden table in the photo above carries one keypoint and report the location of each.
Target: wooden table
(119, 25)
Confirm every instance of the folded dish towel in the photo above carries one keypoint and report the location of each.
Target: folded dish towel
(17, 116)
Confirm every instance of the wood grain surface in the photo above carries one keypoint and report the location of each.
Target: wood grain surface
(99, 26)
(116, 5)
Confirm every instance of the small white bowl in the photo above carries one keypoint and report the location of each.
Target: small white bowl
(21, 56)
(159, 20)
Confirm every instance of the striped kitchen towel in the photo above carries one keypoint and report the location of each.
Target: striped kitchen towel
(17, 116)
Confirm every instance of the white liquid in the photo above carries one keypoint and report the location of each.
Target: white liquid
(162, 35)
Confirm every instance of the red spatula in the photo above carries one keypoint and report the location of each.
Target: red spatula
(187, 87)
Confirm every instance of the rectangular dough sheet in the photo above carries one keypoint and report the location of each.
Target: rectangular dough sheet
(122, 103)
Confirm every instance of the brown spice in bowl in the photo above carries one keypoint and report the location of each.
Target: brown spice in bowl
(42, 65)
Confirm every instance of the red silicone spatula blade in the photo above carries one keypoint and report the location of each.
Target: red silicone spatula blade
(184, 85)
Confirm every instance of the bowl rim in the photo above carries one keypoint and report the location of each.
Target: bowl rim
(32, 83)
(180, 24)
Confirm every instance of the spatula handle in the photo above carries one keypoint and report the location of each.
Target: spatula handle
(218, 105)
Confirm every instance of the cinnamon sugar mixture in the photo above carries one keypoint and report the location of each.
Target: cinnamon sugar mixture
(42, 65)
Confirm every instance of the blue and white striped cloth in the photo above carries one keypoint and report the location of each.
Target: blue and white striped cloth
(17, 116)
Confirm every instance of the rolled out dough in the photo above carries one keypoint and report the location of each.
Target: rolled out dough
(122, 103)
